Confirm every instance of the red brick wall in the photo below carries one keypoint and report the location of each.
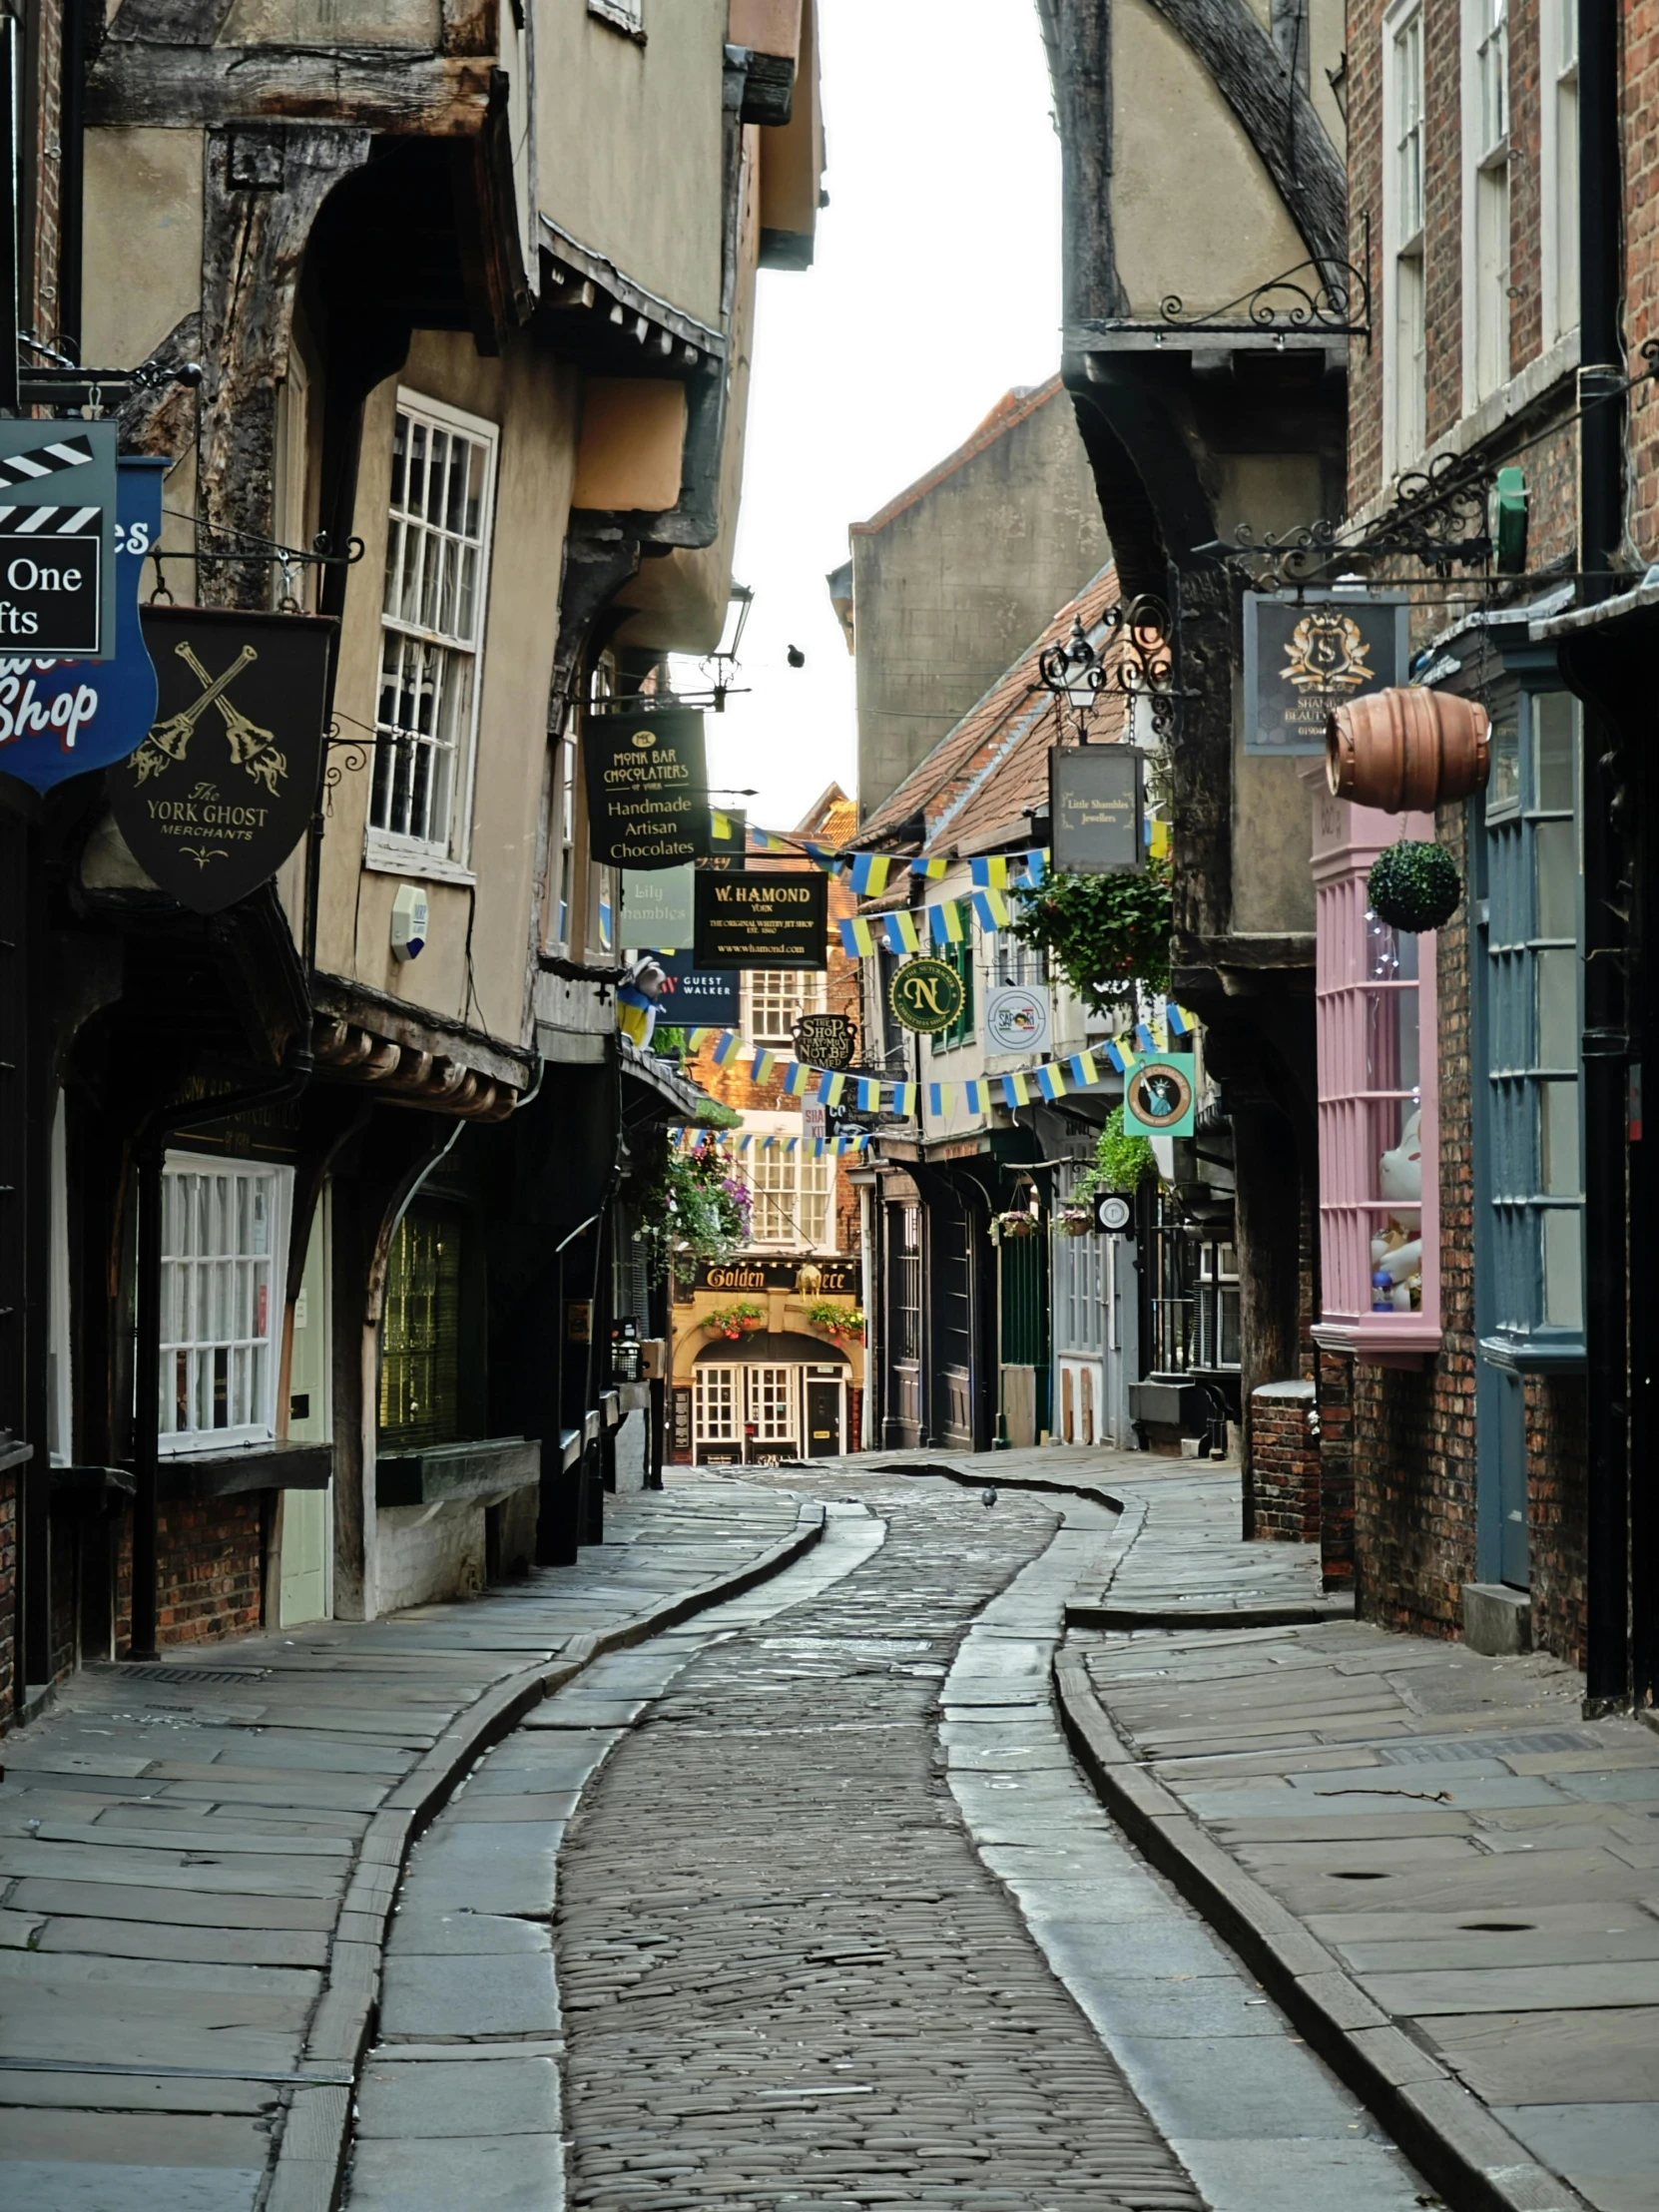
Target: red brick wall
(1557, 1460)
(1336, 1443)
(1283, 1478)
(212, 1571)
(1641, 228)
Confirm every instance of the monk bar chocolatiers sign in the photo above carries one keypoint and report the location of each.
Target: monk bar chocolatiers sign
(225, 786)
(778, 920)
(1095, 810)
(1307, 653)
(648, 789)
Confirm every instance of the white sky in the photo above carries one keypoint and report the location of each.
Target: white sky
(936, 289)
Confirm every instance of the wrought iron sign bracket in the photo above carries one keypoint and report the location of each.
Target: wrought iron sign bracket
(1315, 299)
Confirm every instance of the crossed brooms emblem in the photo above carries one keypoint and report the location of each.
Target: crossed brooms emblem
(252, 748)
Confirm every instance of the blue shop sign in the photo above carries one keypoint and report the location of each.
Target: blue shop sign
(67, 718)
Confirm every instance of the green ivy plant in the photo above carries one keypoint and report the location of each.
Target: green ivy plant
(1120, 1162)
(1106, 934)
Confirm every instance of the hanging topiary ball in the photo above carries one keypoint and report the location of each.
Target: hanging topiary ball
(1415, 886)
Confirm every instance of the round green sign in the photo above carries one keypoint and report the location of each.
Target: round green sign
(927, 994)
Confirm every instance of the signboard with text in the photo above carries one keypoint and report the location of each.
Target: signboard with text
(62, 718)
(657, 909)
(837, 1278)
(648, 787)
(697, 997)
(1096, 806)
(58, 527)
(225, 786)
(778, 918)
(1306, 653)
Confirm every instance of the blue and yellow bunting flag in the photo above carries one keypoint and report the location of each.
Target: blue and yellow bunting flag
(973, 1090)
(946, 923)
(904, 1099)
(992, 908)
(931, 866)
(727, 1049)
(1051, 1080)
(870, 873)
(942, 1097)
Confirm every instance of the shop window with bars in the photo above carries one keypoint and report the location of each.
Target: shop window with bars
(1218, 1303)
(1406, 340)
(223, 1254)
(420, 1348)
(717, 1403)
(1079, 1282)
(432, 631)
(773, 998)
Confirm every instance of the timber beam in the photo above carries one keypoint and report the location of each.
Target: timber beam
(424, 95)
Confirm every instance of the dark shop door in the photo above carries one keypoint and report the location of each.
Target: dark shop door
(824, 1418)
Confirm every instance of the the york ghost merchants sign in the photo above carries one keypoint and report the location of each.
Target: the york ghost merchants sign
(1095, 810)
(1308, 652)
(778, 918)
(648, 789)
(222, 788)
(62, 718)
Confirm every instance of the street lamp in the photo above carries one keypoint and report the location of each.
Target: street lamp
(1074, 673)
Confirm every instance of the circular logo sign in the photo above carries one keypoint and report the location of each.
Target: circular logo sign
(1016, 1020)
(927, 994)
(1113, 1212)
(1158, 1095)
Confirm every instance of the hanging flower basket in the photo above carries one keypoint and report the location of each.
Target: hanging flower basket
(1013, 1226)
(838, 1322)
(1415, 886)
(1073, 1220)
(734, 1320)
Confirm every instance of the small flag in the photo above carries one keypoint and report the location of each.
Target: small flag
(1127, 1055)
(1084, 1072)
(973, 1091)
(745, 1141)
(900, 931)
(817, 1148)
(1051, 1080)
(1014, 1090)
(696, 1039)
(1143, 1037)
(722, 826)
(869, 1094)
(830, 1089)
(992, 910)
(1113, 1054)
(946, 923)
(990, 872)
(727, 1049)
(823, 854)
(1036, 868)
(931, 865)
(942, 1097)
(857, 939)
(791, 1146)
(1180, 1021)
(1159, 839)
(904, 1099)
(765, 1062)
(870, 873)
(605, 924)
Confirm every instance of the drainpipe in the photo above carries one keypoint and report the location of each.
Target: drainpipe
(1605, 1046)
(148, 1155)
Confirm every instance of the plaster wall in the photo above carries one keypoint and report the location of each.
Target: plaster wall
(1194, 212)
(142, 241)
(536, 404)
(417, 24)
(952, 587)
(648, 190)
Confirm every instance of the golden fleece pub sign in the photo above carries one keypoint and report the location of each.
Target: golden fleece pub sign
(1307, 653)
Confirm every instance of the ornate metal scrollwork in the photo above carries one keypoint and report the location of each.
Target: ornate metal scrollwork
(354, 756)
(1440, 518)
(1331, 297)
(1077, 673)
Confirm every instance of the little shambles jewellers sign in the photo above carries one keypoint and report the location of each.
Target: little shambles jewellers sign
(223, 786)
(776, 919)
(1096, 810)
(1307, 653)
(648, 789)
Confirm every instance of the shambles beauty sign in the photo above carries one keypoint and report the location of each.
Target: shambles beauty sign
(223, 786)
(1307, 653)
(780, 920)
(648, 789)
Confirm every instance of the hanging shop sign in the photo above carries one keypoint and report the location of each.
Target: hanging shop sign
(1308, 652)
(648, 787)
(1158, 1099)
(826, 1041)
(62, 718)
(59, 521)
(1096, 803)
(1016, 1020)
(1114, 1213)
(927, 995)
(225, 786)
(657, 912)
(778, 918)
(693, 997)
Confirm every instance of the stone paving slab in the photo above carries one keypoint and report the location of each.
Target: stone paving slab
(1469, 1857)
(194, 1875)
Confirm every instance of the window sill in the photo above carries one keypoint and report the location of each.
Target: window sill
(425, 868)
(622, 20)
(1541, 1355)
(236, 1467)
(437, 1473)
(1409, 1341)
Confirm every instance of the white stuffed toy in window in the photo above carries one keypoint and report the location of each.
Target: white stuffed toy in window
(1396, 1249)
